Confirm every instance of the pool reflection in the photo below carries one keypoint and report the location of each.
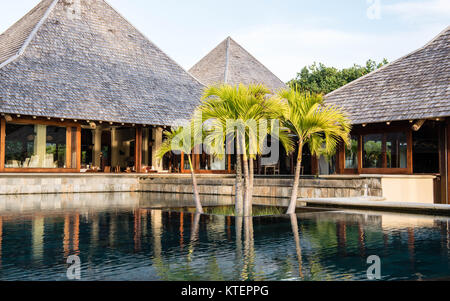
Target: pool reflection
(121, 237)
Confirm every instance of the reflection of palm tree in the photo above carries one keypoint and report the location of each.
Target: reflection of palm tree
(194, 235)
(248, 272)
(294, 224)
(238, 227)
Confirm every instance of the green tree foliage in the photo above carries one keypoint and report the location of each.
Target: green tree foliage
(321, 79)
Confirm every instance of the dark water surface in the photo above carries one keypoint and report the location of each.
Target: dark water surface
(120, 237)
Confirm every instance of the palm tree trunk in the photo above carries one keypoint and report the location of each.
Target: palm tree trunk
(252, 181)
(198, 204)
(246, 180)
(294, 196)
(239, 206)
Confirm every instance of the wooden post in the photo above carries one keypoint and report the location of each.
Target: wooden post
(410, 152)
(360, 153)
(2, 144)
(69, 147)
(138, 150)
(448, 161)
(78, 148)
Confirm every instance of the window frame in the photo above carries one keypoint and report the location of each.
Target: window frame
(384, 130)
(25, 121)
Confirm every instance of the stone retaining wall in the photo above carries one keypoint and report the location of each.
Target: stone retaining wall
(276, 187)
(67, 183)
(221, 185)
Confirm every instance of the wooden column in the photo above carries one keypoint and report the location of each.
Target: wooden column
(138, 150)
(448, 161)
(340, 159)
(360, 153)
(78, 148)
(2, 144)
(410, 152)
(69, 147)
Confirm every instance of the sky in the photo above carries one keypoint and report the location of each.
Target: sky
(285, 35)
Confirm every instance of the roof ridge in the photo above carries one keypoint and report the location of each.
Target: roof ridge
(227, 59)
(391, 63)
(31, 35)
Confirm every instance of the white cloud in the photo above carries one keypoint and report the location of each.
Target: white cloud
(285, 49)
(410, 10)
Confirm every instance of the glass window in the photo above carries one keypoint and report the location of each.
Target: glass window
(351, 154)
(35, 146)
(373, 151)
(396, 150)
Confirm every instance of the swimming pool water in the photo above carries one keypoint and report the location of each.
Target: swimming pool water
(140, 243)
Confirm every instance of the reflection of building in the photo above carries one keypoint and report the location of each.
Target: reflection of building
(86, 91)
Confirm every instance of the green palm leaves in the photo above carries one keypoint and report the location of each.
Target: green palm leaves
(320, 126)
(240, 118)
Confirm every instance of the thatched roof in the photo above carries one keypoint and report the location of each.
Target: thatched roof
(92, 66)
(230, 63)
(416, 86)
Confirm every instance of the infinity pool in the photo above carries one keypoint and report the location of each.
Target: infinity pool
(123, 237)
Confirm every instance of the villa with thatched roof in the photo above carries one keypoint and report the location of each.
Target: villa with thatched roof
(81, 87)
(401, 118)
(82, 90)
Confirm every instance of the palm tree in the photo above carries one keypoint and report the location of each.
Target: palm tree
(182, 140)
(234, 114)
(320, 126)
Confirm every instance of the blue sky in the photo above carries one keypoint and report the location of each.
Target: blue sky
(285, 35)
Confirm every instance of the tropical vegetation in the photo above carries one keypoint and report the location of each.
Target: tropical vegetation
(321, 127)
(239, 115)
(320, 79)
(244, 117)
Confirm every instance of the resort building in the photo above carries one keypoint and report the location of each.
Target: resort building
(82, 90)
(401, 125)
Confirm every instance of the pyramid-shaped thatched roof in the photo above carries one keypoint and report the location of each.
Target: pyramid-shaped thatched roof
(416, 86)
(92, 66)
(230, 63)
